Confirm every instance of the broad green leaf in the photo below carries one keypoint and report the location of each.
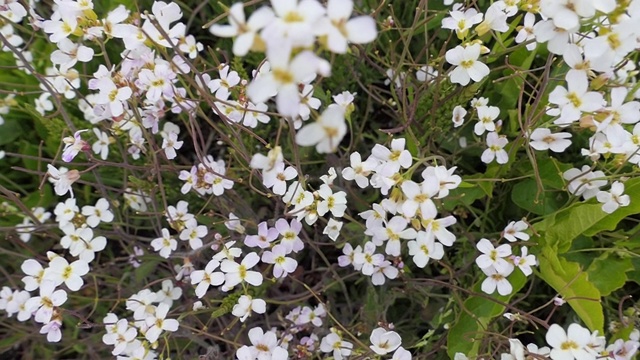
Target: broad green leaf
(476, 315)
(634, 274)
(525, 195)
(11, 130)
(573, 285)
(585, 218)
(570, 223)
(608, 273)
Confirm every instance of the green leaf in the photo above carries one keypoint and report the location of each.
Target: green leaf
(585, 218)
(570, 223)
(634, 274)
(608, 272)
(477, 313)
(525, 195)
(11, 130)
(573, 285)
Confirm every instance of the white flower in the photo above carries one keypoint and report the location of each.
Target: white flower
(461, 22)
(426, 73)
(525, 261)
(60, 271)
(333, 343)
(494, 19)
(515, 230)
(295, 22)
(285, 75)
(52, 329)
(486, 116)
(571, 344)
(445, 177)
(340, 30)
(401, 354)
(34, 272)
(333, 229)
(43, 305)
(384, 341)
(383, 271)
(194, 233)
(121, 336)
(495, 149)
(336, 203)
(493, 257)
(424, 248)
(392, 159)
(164, 245)
(246, 304)
(98, 213)
(614, 198)
(576, 99)
(418, 197)
(359, 170)
(582, 181)
(467, 66)
(245, 31)
(168, 293)
(158, 322)
(543, 139)
(170, 144)
(368, 259)
(393, 230)
(69, 53)
(326, 132)
(207, 277)
(102, 145)
(525, 32)
(282, 265)
(439, 229)
(458, 116)
(497, 280)
(236, 273)
(62, 179)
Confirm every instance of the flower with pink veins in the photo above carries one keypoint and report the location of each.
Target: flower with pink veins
(264, 238)
(73, 145)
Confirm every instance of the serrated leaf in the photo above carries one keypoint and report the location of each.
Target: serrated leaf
(608, 273)
(477, 313)
(573, 285)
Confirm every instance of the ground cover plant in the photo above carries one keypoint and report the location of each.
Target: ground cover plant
(310, 179)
